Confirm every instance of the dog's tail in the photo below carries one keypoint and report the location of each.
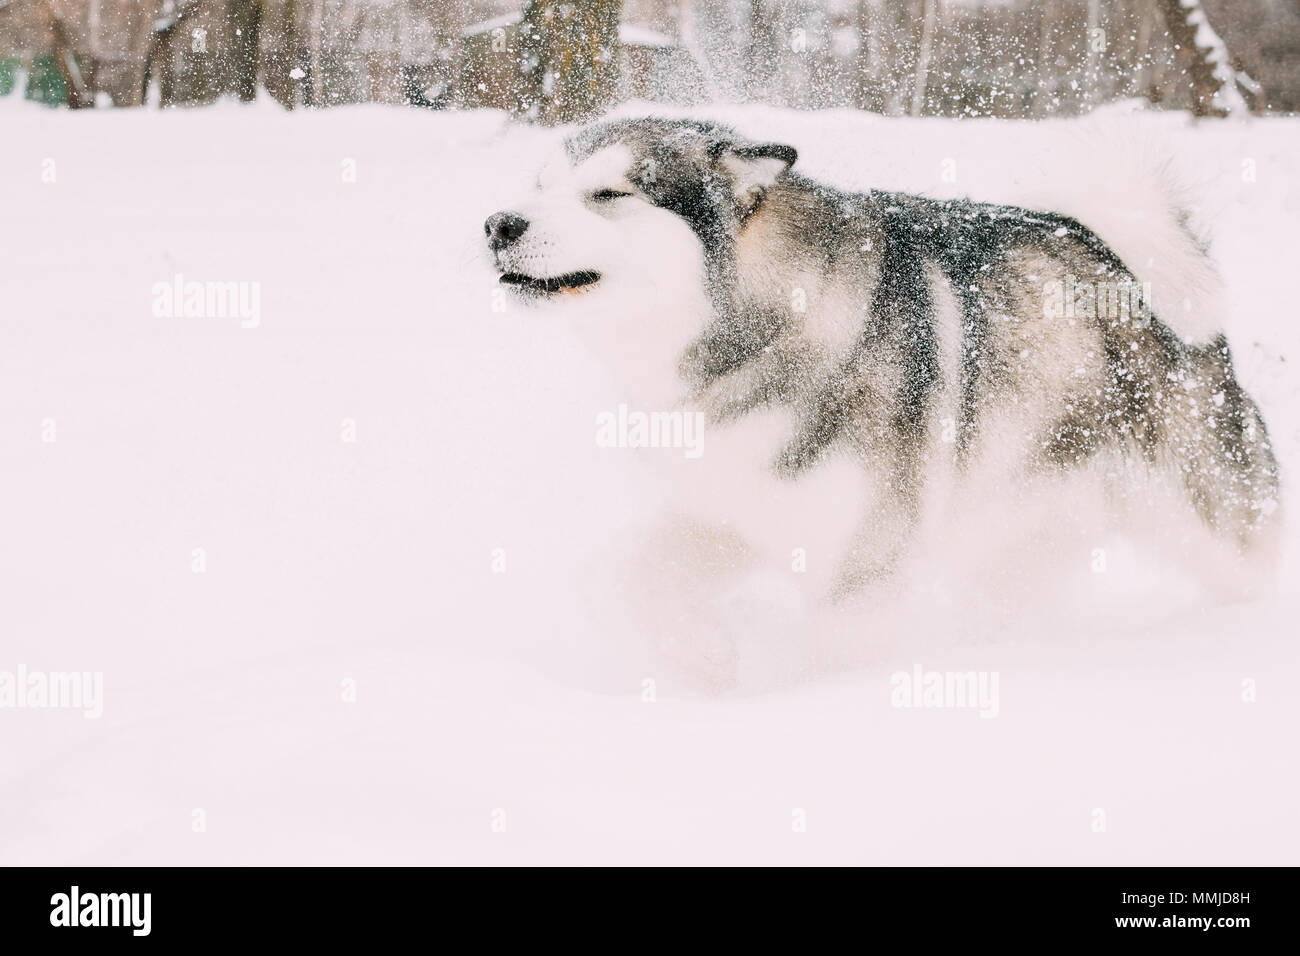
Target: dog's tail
(1124, 187)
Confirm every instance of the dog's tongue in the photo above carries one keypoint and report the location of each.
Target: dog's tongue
(575, 289)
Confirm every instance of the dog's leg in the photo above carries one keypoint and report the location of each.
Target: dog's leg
(1229, 474)
(887, 531)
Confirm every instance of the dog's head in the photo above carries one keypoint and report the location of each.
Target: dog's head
(629, 196)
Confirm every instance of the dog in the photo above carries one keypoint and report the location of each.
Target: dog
(919, 349)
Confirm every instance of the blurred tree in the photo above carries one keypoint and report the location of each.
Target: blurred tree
(1210, 72)
(281, 51)
(1142, 52)
(985, 57)
(244, 33)
(45, 83)
(569, 59)
(1049, 27)
(761, 51)
(75, 66)
(315, 45)
(863, 56)
(900, 23)
(923, 56)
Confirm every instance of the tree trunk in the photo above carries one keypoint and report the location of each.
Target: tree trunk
(866, 65)
(316, 37)
(761, 52)
(279, 53)
(923, 57)
(79, 86)
(1045, 97)
(1090, 71)
(897, 27)
(1213, 80)
(1143, 53)
(569, 56)
(245, 48)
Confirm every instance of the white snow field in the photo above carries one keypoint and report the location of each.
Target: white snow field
(500, 716)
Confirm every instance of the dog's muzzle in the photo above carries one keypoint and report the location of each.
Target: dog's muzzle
(503, 228)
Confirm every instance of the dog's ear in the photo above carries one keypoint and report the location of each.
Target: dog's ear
(754, 168)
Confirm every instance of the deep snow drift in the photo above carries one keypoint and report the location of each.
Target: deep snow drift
(447, 564)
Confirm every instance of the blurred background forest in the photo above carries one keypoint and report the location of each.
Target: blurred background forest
(562, 61)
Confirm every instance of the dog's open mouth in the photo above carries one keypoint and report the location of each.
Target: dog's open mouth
(570, 282)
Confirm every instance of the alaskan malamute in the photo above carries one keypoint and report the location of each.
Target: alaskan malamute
(937, 347)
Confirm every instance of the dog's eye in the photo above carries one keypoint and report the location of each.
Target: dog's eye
(607, 195)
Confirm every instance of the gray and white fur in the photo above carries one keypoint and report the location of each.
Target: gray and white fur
(902, 334)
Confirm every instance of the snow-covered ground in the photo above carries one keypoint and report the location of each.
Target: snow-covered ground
(501, 716)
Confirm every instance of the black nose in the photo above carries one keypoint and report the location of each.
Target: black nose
(504, 228)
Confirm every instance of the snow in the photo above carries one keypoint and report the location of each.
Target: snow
(487, 26)
(484, 697)
(634, 34)
(1228, 96)
(628, 33)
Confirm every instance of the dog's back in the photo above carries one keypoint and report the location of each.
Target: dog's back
(952, 345)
